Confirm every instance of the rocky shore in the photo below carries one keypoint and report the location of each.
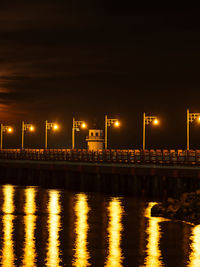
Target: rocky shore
(187, 208)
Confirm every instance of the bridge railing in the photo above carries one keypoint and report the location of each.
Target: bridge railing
(171, 157)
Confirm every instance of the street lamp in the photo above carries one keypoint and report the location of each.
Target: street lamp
(109, 122)
(76, 127)
(25, 127)
(147, 120)
(5, 128)
(49, 126)
(190, 118)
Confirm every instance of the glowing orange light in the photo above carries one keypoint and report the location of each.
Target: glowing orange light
(156, 122)
(83, 125)
(199, 119)
(55, 127)
(117, 124)
(31, 128)
(10, 130)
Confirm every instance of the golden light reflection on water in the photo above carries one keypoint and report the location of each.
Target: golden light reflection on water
(81, 257)
(195, 247)
(54, 209)
(30, 225)
(154, 257)
(115, 228)
(8, 217)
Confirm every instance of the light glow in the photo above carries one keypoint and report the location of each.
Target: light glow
(31, 128)
(10, 130)
(83, 125)
(156, 121)
(117, 124)
(55, 126)
(198, 119)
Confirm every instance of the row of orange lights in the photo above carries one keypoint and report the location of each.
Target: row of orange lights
(32, 128)
(84, 125)
(56, 127)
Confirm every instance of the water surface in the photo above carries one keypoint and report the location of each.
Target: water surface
(50, 227)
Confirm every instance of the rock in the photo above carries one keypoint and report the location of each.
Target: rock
(183, 197)
(170, 200)
(186, 209)
(157, 210)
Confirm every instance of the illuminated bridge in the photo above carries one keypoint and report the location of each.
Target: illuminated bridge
(115, 170)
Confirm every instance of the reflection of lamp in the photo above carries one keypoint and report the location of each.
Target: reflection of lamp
(7, 257)
(115, 228)
(153, 230)
(49, 126)
(147, 120)
(81, 257)
(190, 118)
(195, 247)
(76, 127)
(109, 122)
(53, 258)
(30, 226)
(5, 128)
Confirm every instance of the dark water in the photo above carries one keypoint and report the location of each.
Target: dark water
(40, 227)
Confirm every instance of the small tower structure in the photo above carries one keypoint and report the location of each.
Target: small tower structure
(95, 139)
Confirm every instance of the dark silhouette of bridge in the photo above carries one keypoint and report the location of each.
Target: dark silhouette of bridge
(118, 170)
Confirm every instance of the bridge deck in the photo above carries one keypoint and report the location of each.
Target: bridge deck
(158, 157)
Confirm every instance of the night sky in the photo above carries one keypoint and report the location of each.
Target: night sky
(92, 58)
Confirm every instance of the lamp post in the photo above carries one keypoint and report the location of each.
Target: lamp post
(26, 126)
(49, 126)
(76, 127)
(4, 128)
(109, 122)
(147, 120)
(190, 118)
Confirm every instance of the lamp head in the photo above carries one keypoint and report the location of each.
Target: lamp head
(10, 130)
(156, 121)
(117, 124)
(55, 126)
(83, 125)
(32, 128)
